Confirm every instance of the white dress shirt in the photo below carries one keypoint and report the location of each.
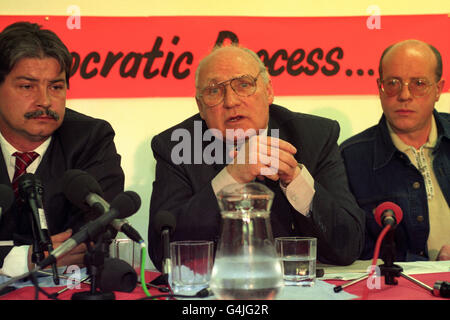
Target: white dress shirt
(16, 262)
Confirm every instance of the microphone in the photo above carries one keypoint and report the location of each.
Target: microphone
(165, 224)
(84, 191)
(31, 191)
(441, 289)
(117, 275)
(388, 213)
(124, 205)
(6, 198)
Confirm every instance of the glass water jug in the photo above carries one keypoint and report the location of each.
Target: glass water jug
(246, 265)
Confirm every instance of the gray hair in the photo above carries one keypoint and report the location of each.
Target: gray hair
(28, 40)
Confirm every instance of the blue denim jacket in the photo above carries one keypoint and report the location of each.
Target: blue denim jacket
(378, 172)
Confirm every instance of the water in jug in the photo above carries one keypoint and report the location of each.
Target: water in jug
(246, 264)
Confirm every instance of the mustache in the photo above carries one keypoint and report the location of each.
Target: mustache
(38, 113)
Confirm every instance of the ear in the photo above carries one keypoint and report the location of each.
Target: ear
(379, 86)
(269, 92)
(440, 87)
(200, 107)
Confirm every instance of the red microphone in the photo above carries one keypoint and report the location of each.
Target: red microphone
(388, 213)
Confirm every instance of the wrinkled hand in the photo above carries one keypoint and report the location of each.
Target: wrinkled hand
(73, 257)
(444, 253)
(263, 156)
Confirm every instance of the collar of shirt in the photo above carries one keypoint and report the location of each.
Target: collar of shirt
(10, 160)
(421, 158)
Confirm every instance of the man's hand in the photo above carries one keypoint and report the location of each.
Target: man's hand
(444, 253)
(73, 257)
(261, 157)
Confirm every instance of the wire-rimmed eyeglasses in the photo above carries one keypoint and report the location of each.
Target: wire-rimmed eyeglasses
(418, 87)
(243, 86)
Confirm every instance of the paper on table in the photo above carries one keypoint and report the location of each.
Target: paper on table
(319, 291)
(46, 280)
(355, 270)
(419, 267)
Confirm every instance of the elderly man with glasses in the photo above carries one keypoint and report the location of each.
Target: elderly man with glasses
(405, 158)
(240, 136)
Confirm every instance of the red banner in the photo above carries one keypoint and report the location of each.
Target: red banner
(116, 57)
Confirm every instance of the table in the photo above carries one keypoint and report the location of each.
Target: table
(427, 272)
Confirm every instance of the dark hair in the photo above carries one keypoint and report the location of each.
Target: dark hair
(27, 40)
(437, 54)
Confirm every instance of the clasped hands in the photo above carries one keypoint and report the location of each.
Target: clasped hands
(264, 157)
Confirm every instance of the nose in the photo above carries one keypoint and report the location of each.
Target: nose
(405, 94)
(230, 98)
(43, 97)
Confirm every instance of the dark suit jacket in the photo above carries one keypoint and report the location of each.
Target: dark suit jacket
(378, 172)
(81, 142)
(186, 190)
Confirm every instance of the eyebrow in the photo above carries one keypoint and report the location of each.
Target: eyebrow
(400, 78)
(37, 80)
(215, 81)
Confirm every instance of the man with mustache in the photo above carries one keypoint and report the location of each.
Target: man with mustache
(294, 154)
(405, 158)
(34, 77)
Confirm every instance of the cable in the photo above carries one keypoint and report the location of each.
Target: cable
(200, 294)
(375, 258)
(143, 259)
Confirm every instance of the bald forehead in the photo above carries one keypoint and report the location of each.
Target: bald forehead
(226, 58)
(228, 53)
(412, 48)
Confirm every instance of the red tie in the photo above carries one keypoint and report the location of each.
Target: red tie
(23, 160)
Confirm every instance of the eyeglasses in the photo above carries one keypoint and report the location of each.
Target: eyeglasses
(417, 87)
(243, 86)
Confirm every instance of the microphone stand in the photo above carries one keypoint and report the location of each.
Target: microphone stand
(94, 260)
(391, 271)
(163, 278)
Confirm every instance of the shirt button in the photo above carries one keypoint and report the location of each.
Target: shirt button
(292, 226)
(416, 185)
(419, 218)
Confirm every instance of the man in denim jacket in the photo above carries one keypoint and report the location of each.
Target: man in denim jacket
(405, 159)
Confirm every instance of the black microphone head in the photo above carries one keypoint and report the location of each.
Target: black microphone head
(77, 184)
(127, 203)
(164, 219)
(117, 275)
(6, 197)
(25, 184)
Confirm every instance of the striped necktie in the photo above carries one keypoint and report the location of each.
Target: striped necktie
(23, 160)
